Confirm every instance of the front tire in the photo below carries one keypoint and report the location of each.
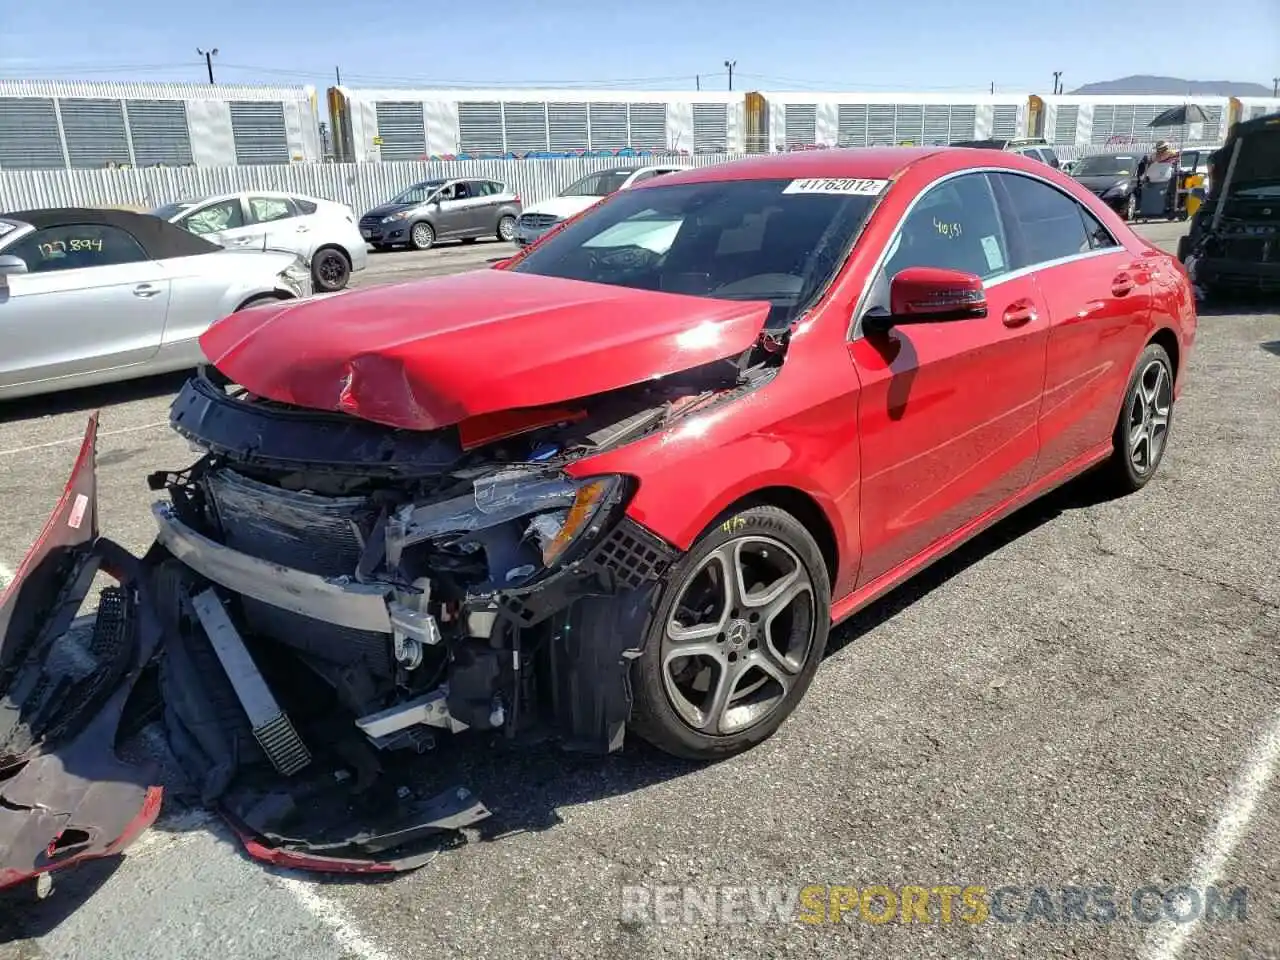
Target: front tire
(1130, 211)
(736, 639)
(422, 236)
(1142, 430)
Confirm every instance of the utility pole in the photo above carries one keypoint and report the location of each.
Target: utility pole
(337, 72)
(1275, 86)
(729, 65)
(1057, 81)
(208, 59)
(993, 86)
(697, 81)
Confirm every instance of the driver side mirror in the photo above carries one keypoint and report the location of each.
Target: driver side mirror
(10, 265)
(930, 295)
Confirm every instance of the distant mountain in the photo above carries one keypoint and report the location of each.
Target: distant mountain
(1174, 87)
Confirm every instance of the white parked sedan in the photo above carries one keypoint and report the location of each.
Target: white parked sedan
(94, 296)
(322, 232)
(581, 195)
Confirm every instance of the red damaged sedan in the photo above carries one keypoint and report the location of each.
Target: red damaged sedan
(627, 480)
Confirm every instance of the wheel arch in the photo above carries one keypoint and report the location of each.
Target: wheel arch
(330, 245)
(800, 505)
(1168, 339)
(264, 295)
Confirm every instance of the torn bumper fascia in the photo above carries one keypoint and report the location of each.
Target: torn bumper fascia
(67, 798)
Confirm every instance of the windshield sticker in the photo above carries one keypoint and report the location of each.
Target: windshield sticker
(991, 247)
(849, 187)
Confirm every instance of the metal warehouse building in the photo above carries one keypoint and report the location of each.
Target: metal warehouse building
(412, 124)
(797, 120)
(1079, 120)
(49, 125)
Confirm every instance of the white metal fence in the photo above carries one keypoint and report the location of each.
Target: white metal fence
(359, 185)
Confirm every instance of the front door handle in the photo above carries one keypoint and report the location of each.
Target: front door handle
(1019, 312)
(145, 290)
(1121, 284)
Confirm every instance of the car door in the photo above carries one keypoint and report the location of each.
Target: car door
(91, 300)
(451, 215)
(485, 202)
(946, 411)
(1098, 299)
(279, 224)
(223, 222)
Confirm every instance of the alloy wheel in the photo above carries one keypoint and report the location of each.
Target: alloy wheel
(1149, 409)
(507, 229)
(739, 635)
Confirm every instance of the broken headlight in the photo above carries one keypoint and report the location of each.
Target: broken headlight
(557, 512)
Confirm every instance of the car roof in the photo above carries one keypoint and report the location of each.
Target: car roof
(159, 238)
(870, 163)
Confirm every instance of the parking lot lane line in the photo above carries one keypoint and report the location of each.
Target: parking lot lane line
(1166, 940)
(333, 916)
(103, 434)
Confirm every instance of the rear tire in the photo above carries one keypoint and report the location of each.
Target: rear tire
(758, 647)
(422, 236)
(507, 229)
(1130, 211)
(1142, 430)
(330, 270)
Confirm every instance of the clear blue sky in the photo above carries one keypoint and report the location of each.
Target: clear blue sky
(653, 44)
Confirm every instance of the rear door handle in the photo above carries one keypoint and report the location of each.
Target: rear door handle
(303, 228)
(145, 290)
(1121, 284)
(1019, 312)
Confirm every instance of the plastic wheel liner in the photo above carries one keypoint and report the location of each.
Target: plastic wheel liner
(66, 694)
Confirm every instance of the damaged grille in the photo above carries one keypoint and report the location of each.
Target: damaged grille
(315, 534)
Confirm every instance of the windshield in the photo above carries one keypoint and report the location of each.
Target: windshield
(1104, 166)
(735, 240)
(171, 210)
(419, 192)
(597, 184)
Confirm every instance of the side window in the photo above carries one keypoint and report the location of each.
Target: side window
(1048, 221)
(266, 209)
(462, 191)
(1051, 158)
(77, 246)
(305, 207)
(955, 225)
(1100, 237)
(225, 215)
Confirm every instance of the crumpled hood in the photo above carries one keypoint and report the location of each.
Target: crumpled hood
(563, 207)
(432, 353)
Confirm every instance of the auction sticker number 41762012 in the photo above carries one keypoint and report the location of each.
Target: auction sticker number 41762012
(848, 186)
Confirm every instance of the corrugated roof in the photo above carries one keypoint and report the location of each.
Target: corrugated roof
(150, 91)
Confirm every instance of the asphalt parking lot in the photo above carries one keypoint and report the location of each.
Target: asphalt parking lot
(1087, 696)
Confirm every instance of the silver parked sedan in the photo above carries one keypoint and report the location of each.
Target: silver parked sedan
(92, 296)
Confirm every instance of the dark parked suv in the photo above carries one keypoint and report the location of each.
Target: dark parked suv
(445, 209)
